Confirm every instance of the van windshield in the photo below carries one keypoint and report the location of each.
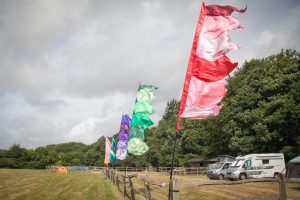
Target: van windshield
(237, 163)
(216, 166)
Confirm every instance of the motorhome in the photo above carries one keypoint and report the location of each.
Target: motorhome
(256, 166)
(218, 170)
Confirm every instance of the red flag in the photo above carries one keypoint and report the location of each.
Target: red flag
(208, 64)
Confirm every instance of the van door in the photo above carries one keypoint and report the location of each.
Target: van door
(247, 167)
(226, 166)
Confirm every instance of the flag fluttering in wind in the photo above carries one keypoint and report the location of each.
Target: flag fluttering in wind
(208, 64)
(112, 151)
(107, 151)
(123, 137)
(141, 119)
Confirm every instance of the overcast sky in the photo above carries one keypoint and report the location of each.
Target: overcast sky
(69, 69)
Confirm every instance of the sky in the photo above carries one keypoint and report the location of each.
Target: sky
(70, 69)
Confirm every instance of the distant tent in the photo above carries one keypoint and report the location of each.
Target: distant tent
(293, 168)
(62, 170)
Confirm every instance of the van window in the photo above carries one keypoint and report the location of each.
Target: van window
(215, 166)
(226, 166)
(234, 163)
(247, 164)
(265, 161)
(237, 163)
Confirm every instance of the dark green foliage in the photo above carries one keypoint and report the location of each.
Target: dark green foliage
(261, 114)
(261, 111)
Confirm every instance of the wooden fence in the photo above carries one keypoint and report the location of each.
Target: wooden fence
(176, 170)
(124, 182)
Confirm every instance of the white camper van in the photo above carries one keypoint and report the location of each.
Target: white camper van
(218, 170)
(256, 166)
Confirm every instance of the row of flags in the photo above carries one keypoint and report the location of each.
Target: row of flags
(203, 87)
(131, 134)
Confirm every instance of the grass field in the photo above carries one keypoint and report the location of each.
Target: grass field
(246, 191)
(44, 185)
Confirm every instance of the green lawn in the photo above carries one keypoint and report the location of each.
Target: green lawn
(42, 184)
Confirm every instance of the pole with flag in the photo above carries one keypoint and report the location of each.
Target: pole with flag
(141, 119)
(112, 158)
(208, 65)
(107, 151)
(123, 137)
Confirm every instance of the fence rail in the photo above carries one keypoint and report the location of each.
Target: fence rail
(176, 170)
(124, 182)
(130, 190)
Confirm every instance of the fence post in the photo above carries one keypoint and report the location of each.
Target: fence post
(107, 173)
(124, 185)
(117, 181)
(174, 189)
(132, 196)
(147, 190)
(114, 177)
(282, 187)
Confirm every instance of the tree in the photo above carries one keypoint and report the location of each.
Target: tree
(261, 111)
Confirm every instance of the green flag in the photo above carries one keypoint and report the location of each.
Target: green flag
(143, 107)
(141, 119)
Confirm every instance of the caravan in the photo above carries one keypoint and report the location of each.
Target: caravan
(256, 166)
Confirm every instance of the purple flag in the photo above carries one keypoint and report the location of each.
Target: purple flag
(123, 137)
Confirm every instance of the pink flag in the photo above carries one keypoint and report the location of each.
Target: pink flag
(107, 151)
(208, 64)
(203, 98)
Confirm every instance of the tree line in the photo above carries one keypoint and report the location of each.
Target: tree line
(260, 114)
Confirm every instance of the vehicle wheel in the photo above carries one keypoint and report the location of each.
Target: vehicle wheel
(276, 175)
(220, 176)
(243, 176)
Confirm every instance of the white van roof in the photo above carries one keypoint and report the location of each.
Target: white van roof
(261, 156)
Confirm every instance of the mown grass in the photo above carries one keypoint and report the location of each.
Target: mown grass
(44, 185)
(258, 190)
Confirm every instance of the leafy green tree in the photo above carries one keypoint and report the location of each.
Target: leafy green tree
(261, 111)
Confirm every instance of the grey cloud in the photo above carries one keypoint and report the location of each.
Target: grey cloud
(30, 132)
(64, 62)
(46, 105)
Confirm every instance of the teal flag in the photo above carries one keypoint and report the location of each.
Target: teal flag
(143, 107)
(137, 132)
(113, 143)
(112, 151)
(141, 119)
(137, 146)
(145, 94)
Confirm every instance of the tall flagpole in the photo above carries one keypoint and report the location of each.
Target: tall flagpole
(172, 163)
(186, 87)
(207, 70)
